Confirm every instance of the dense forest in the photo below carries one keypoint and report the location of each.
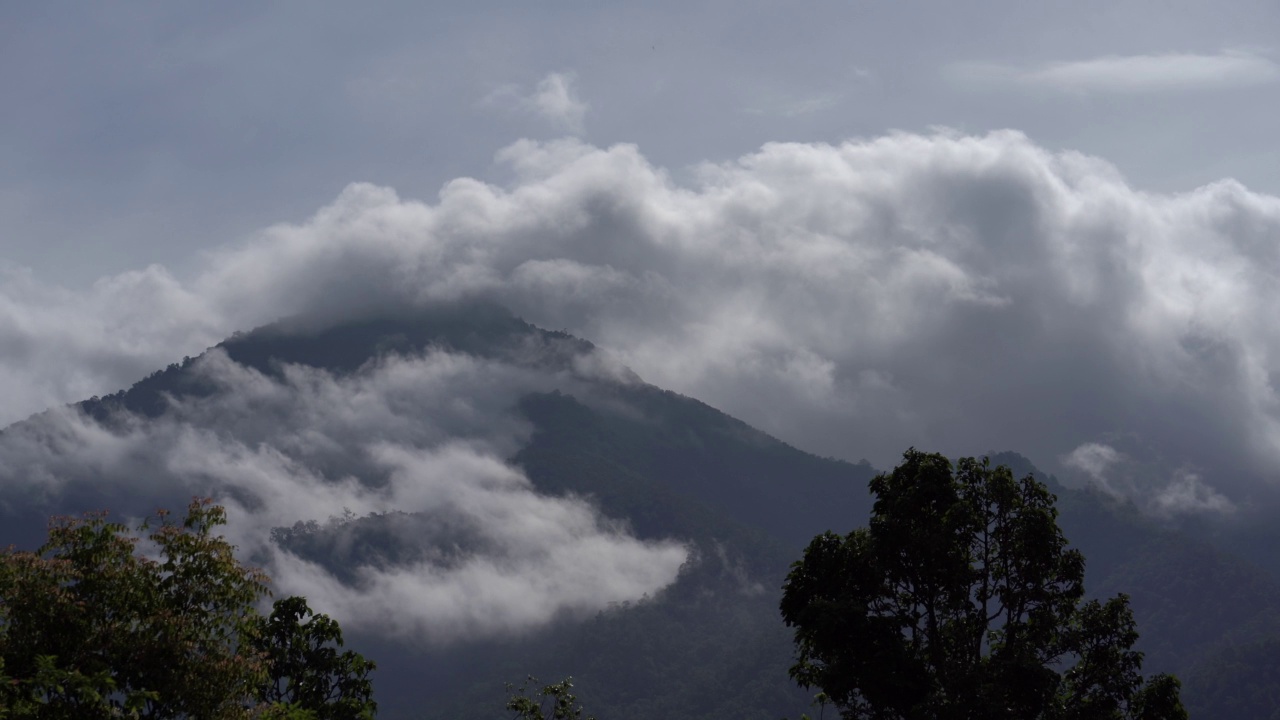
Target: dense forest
(711, 644)
(91, 628)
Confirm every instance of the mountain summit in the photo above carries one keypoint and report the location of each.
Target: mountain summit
(477, 498)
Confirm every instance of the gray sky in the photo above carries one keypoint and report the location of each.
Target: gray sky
(147, 132)
(858, 226)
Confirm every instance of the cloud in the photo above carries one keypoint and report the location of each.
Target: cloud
(416, 437)
(122, 328)
(946, 291)
(1130, 474)
(1129, 74)
(541, 556)
(1094, 459)
(554, 99)
(1187, 494)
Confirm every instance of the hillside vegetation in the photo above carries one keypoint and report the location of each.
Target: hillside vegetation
(664, 466)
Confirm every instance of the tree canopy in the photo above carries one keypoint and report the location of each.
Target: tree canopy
(304, 667)
(961, 599)
(532, 701)
(93, 627)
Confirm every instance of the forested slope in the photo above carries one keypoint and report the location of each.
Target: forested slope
(669, 467)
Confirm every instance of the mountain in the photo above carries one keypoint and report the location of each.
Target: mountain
(426, 421)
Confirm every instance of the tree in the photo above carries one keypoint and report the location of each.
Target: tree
(305, 669)
(91, 627)
(533, 705)
(961, 599)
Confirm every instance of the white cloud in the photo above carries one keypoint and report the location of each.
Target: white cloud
(1094, 459)
(1187, 494)
(557, 101)
(1145, 477)
(554, 99)
(1130, 74)
(543, 556)
(422, 435)
(58, 346)
(945, 291)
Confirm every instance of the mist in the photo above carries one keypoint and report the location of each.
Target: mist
(407, 443)
(952, 292)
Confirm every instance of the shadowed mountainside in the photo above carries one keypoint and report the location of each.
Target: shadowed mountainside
(667, 466)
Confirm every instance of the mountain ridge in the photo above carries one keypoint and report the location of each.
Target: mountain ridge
(667, 466)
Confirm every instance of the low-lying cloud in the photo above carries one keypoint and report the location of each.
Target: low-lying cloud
(1177, 489)
(423, 437)
(951, 292)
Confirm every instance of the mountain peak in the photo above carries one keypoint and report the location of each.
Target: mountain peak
(475, 328)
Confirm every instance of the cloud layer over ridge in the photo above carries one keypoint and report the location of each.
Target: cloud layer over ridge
(412, 449)
(951, 292)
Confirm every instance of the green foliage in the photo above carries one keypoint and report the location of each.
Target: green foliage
(304, 668)
(91, 627)
(961, 599)
(556, 698)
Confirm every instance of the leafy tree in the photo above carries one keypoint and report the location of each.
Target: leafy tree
(305, 669)
(961, 599)
(556, 697)
(91, 627)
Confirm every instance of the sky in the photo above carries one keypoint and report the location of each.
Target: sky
(150, 132)
(859, 226)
